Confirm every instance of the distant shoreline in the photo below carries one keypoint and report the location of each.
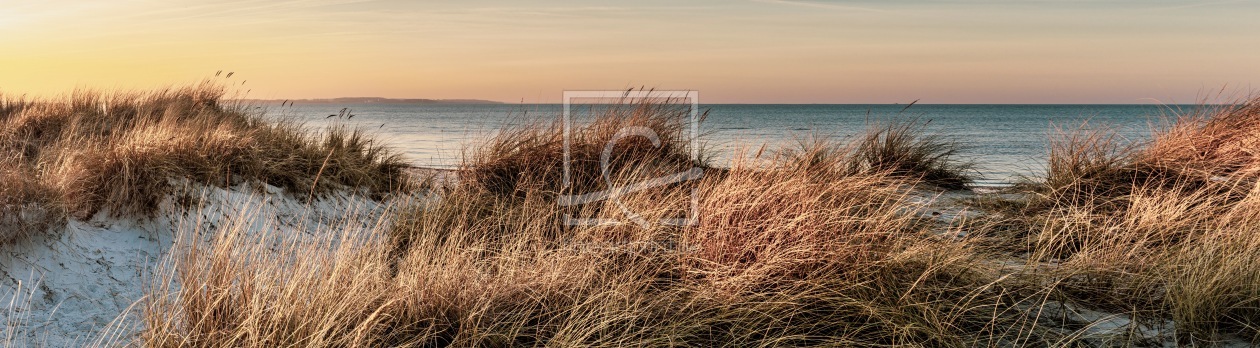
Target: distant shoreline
(376, 100)
(421, 101)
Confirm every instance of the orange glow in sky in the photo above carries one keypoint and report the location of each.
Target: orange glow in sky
(863, 51)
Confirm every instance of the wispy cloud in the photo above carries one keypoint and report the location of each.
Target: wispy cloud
(885, 6)
(834, 5)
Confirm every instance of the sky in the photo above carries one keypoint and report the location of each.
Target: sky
(730, 51)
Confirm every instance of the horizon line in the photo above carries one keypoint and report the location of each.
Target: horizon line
(480, 101)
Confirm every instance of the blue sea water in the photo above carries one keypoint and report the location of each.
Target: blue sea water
(1006, 141)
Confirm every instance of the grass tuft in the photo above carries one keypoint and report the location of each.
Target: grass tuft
(905, 149)
(530, 156)
(803, 252)
(1120, 244)
(91, 151)
(1162, 230)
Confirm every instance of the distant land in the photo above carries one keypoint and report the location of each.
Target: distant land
(375, 100)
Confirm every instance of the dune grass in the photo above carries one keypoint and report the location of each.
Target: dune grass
(530, 156)
(804, 252)
(906, 148)
(1163, 230)
(119, 151)
(823, 246)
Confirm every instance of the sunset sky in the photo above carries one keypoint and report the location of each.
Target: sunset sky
(865, 51)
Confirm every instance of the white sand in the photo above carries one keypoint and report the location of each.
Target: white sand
(65, 288)
(80, 285)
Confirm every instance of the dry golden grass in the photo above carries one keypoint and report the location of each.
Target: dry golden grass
(905, 148)
(26, 205)
(805, 252)
(531, 156)
(813, 261)
(821, 247)
(118, 151)
(1212, 140)
(1163, 230)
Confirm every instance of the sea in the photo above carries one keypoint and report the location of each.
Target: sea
(1007, 142)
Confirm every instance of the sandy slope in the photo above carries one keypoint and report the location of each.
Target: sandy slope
(67, 287)
(79, 285)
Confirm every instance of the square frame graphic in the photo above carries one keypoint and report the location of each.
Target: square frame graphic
(623, 96)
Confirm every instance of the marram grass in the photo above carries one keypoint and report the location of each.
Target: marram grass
(812, 250)
(823, 245)
(92, 151)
